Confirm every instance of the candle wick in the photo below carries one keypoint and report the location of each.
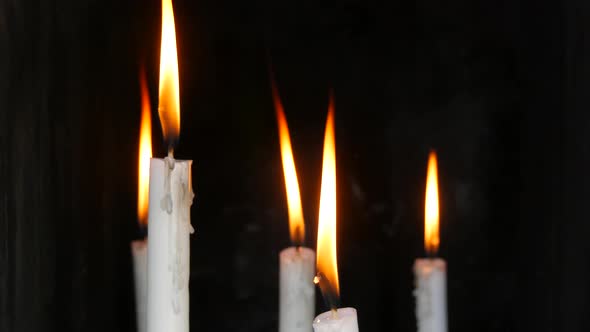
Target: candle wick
(329, 294)
(170, 159)
(143, 231)
(334, 312)
(297, 237)
(430, 253)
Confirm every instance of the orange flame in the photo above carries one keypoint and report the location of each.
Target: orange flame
(296, 224)
(145, 153)
(326, 246)
(169, 106)
(431, 211)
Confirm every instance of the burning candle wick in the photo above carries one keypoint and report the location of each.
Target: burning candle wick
(170, 161)
(298, 237)
(431, 254)
(143, 231)
(328, 293)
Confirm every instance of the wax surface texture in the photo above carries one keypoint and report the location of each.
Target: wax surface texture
(169, 228)
(431, 294)
(296, 289)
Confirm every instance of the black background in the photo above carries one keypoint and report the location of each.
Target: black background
(498, 88)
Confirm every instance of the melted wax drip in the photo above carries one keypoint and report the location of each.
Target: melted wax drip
(178, 226)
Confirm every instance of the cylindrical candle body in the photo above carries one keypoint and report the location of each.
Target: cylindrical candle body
(139, 252)
(168, 245)
(297, 291)
(343, 320)
(431, 294)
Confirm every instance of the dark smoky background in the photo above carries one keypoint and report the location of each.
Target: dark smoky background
(498, 89)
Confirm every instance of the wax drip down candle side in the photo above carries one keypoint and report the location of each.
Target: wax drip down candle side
(170, 199)
(336, 319)
(430, 273)
(296, 263)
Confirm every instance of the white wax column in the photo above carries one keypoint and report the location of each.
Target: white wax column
(139, 252)
(168, 245)
(297, 290)
(431, 294)
(344, 320)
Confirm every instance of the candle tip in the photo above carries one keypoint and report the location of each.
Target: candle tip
(170, 161)
(334, 312)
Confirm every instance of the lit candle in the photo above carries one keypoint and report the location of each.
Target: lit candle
(170, 199)
(296, 289)
(431, 273)
(139, 247)
(337, 319)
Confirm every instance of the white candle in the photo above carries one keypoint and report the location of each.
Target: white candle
(297, 264)
(343, 320)
(297, 291)
(431, 294)
(431, 273)
(139, 254)
(170, 200)
(139, 247)
(168, 245)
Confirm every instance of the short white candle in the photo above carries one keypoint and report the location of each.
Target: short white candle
(169, 225)
(139, 254)
(297, 264)
(431, 273)
(342, 320)
(139, 247)
(431, 294)
(297, 291)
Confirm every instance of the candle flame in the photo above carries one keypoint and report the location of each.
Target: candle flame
(326, 246)
(145, 153)
(296, 224)
(169, 105)
(431, 210)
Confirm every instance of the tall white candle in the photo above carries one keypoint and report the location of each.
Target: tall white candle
(168, 245)
(341, 319)
(139, 254)
(431, 273)
(431, 294)
(297, 291)
(171, 197)
(297, 263)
